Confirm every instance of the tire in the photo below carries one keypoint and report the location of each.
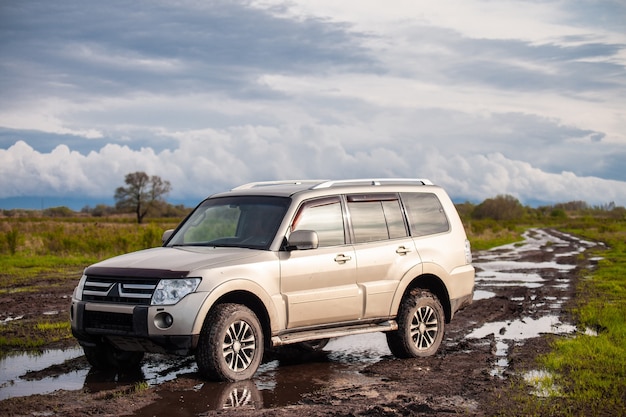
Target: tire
(105, 357)
(420, 326)
(230, 347)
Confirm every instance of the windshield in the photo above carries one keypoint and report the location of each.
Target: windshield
(245, 221)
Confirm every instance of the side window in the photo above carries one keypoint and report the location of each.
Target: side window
(325, 217)
(395, 221)
(425, 213)
(376, 218)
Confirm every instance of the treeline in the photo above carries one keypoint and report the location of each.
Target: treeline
(105, 231)
(157, 210)
(502, 208)
(508, 208)
(502, 219)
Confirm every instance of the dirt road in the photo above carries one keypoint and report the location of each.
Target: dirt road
(522, 293)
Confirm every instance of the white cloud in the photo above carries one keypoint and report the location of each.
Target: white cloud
(505, 19)
(483, 97)
(45, 118)
(210, 161)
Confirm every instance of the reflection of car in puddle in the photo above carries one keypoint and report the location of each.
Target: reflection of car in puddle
(104, 380)
(242, 394)
(218, 396)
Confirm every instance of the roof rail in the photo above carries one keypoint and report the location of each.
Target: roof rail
(280, 182)
(373, 181)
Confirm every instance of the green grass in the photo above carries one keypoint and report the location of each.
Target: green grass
(76, 239)
(26, 335)
(586, 373)
(21, 268)
(486, 234)
(592, 369)
(40, 254)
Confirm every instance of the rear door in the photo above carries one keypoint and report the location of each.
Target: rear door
(384, 250)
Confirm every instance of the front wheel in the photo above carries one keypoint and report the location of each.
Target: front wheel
(230, 347)
(420, 326)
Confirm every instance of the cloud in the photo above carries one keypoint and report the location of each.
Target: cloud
(210, 161)
(484, 98)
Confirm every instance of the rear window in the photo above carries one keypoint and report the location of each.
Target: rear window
(376, 218)
(425, 214)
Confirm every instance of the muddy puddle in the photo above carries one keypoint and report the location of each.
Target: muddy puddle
(532, 265)
(532, 274)
(277, 383)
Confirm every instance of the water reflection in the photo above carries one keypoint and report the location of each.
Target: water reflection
(15, 370)
(281, 380)
(206, 397)
(287, 380)
(105, 380)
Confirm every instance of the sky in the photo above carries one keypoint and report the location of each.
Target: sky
(483, 97)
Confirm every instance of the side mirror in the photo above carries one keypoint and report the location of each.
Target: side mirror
(166, 236)
(303, 240)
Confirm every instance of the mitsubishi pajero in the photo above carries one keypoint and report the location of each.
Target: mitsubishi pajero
(283, 263)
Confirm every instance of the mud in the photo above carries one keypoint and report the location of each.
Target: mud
(522, 296)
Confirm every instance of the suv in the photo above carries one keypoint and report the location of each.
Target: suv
(282, 263)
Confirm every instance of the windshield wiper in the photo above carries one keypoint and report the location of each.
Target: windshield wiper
(206, 244)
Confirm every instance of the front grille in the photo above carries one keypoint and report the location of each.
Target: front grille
(108, 321)
(136, 291)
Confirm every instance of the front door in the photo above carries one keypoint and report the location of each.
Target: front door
(319, 285)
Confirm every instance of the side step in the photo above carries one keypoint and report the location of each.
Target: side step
(306, 335)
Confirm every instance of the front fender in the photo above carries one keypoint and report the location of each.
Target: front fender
(238, 285)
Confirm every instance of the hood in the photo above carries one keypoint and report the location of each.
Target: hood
(169, 262)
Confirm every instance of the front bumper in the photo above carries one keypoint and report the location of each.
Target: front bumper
(127, 330)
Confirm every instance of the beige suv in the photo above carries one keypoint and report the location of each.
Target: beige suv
(283, 263)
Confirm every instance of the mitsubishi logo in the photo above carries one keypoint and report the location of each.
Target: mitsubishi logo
(114, 290)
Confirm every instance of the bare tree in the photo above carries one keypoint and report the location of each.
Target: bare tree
(141, 194)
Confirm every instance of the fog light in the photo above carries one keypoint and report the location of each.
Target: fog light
(163, 320)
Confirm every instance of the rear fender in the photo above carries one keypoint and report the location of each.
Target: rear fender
(426, 276)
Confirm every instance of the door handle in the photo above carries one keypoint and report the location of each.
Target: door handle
(341, 258)
(402, 250)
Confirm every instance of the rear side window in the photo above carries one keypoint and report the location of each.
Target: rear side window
(425, 213)
(325, 217)
(376, 218)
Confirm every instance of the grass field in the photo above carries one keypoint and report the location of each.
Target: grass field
(588, 369)
(586, 373)
(42, 255)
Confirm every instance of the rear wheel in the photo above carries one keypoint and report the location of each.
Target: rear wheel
(230, 347)
(104, 357)
(420, 326)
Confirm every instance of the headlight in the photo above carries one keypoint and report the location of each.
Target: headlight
(171, 291)
(78, 290)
